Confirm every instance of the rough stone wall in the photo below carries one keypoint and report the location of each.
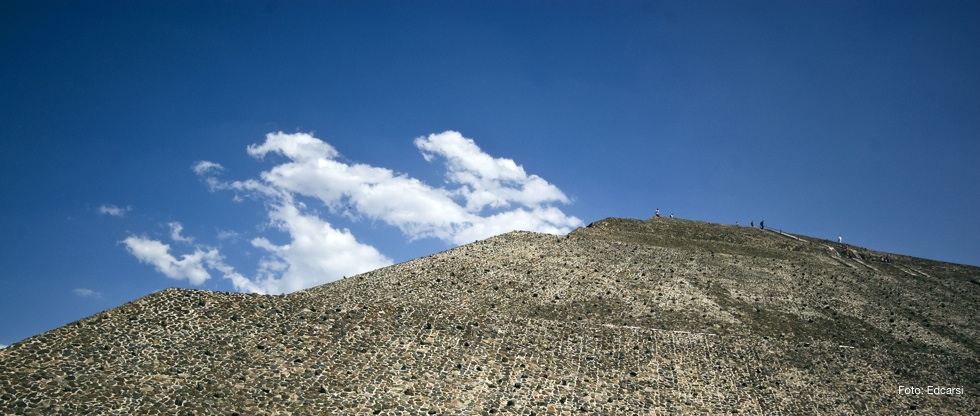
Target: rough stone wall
(622, 317)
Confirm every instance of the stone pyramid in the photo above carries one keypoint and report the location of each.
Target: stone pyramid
(663, 316)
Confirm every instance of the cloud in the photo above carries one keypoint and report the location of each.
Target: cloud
(241, 283)
(87, 293)
(486, 187)
(204, 167)
(317, 253)
(487, 181)
(300, 147)
(483, 196)
(227, 234)
(114, 211)
(175, 229)
(2, 346)
(157, 254)
(549, 220)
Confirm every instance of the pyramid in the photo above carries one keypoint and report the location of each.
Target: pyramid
(658, 316)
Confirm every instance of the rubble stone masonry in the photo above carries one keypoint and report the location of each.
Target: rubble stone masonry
(663, 316)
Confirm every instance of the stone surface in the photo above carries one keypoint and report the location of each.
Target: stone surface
(661, 316)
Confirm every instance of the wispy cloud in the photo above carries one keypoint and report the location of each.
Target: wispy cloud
(204, 167)
(175, 229)
(114, 211)
(207, 170)
(227, 234)
(2, 346)
(190, 267)
(486, 181)
(484, 196)
(87, 293)
(316, 254)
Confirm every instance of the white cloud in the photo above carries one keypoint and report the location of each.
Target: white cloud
(206, 170)
(175, 229)
(114, 211)
(240, 282)
(157, 254)
(192, 267)
(417, 209)
(300, 147)
(2, 346)
(87, 293)
(317, 253)
(487, 181)
(543, 220)
(484, 196)
(227, 234)
(203, 167)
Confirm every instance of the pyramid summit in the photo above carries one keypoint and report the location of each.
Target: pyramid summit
(621, 317)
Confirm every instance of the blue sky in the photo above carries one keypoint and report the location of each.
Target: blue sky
(271, 145)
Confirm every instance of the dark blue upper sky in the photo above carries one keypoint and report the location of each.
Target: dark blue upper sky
(858, 119)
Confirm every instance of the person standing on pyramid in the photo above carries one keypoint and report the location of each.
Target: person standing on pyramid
(762, 225)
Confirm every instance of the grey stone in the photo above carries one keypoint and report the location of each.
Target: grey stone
(623, 317)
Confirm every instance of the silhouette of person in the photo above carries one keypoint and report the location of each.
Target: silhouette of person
(840, 239)
(762, 225)
(658, 213)
(752, 224)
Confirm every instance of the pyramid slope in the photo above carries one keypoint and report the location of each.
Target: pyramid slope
(623, 316)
